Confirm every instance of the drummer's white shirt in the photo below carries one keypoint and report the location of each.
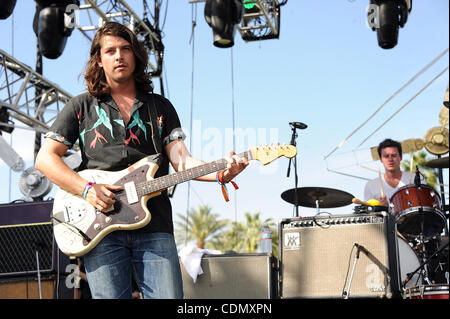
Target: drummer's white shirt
(373, 189)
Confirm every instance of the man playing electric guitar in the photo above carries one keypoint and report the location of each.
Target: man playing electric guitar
(118, 122)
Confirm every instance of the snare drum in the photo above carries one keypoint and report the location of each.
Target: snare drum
(427, 292)
(408, 202)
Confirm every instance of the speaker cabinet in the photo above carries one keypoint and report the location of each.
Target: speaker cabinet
(318, 255)
(23, 246)
(26, 236)
(27, 245)
(233, 276)
(27, 288)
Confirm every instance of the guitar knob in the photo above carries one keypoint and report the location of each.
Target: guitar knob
(97, 226)
(108, 219)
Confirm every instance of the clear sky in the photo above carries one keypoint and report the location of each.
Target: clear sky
(325, 70)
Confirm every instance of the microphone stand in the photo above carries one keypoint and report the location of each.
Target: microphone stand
(294, 143)
(36, 248)
(346, 294)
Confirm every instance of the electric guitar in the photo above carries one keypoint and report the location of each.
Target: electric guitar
(78, 226)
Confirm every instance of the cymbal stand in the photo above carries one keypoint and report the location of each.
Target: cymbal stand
(441, 186)
(317, 206)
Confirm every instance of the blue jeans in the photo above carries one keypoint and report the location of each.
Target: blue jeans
(151, 257)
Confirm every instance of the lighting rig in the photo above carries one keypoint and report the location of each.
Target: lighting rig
(254, 19)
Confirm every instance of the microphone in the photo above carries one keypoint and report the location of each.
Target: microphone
(372, 258)
(298, 125)
(417, 177)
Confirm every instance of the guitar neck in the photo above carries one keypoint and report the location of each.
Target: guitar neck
(167, 181)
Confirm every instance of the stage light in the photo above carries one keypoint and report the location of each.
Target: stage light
(249, 4)
(261, 20)
(222, 16)
(53, 26)
(6, 8)
(385, 17)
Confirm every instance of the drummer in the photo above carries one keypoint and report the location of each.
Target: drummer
(383, 187)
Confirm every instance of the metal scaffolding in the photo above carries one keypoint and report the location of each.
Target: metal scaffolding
(18, 86)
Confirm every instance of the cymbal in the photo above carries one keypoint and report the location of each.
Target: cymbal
(328, 197)
(438, 163)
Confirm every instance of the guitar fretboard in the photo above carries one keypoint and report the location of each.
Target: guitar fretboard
(167, 181)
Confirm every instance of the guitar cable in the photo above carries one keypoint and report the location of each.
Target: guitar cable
(86, 237)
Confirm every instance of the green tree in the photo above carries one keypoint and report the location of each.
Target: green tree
(420, 158)
(244, 237)
(201, 225)
(230, 239)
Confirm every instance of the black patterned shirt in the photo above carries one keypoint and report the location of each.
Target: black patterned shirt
(107, 143)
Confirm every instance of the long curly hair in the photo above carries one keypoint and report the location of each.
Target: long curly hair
(94, 74)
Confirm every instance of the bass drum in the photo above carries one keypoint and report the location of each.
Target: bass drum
(427, 292)
(409, 262)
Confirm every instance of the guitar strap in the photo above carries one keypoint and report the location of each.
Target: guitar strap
(157, 141)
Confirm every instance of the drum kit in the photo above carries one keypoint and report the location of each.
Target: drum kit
(422, 231)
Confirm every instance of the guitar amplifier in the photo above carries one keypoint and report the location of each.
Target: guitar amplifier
(25, 229)
(233, 276)
(339, 256)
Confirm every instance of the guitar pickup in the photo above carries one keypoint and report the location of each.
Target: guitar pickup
(130, 190)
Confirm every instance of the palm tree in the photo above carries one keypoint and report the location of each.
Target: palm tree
(201, 225)
(230, 239)
(244, 237)
(420, 159)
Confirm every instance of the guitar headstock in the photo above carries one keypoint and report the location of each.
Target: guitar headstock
(268, 153)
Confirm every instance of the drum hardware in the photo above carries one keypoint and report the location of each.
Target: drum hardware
(365, 209)
(427, 292)
(422, 266)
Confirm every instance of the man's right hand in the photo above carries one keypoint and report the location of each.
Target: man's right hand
(383, 200)
(101, 196)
